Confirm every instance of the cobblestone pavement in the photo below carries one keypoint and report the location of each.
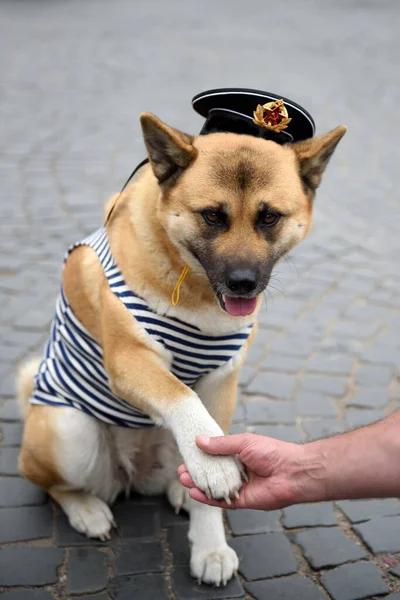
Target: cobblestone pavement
(74, 78)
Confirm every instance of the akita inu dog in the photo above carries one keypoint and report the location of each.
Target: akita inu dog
(207, 219)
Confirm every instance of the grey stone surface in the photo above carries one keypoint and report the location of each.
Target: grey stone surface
(354, 582)
(139, 557)
(264, 555)
(309, 515)
(285, 433)
(137, 521)
(15, 491)
(70, 137)
(139, 587)
(31, 595)
(363, 510)
(274, 385)
(320, 428)
(9, 461)
(186, 588)
(284, 588)
(10, 434)
(370, 397)
(360, 417)
(87, 570)
(327, 547)
(26, 566)
(25, 523)
(395, 571)
(314, 405)
(381, 534)
(244, 522)
(260, 410)
(323, 384)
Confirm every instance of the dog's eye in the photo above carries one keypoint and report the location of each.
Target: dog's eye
(269, 219)
(213, 217)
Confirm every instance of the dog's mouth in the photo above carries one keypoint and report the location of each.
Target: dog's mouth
(237, 306)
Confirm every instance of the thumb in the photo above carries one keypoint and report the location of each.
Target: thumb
(230, 444)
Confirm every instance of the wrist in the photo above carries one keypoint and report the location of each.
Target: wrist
(308, 474)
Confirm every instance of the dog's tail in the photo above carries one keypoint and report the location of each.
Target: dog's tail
(25, 384)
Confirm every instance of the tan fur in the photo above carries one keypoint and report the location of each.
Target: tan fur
(26, 373)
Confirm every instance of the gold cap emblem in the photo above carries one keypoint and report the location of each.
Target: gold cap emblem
(272, 115)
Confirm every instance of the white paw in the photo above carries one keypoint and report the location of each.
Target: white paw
(178, 496)
(218, 476)
(214, 566)
(91, 516)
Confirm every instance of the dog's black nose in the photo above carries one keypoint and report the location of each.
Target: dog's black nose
(241, 281)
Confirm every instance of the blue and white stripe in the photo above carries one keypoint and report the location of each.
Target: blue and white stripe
(72, 372)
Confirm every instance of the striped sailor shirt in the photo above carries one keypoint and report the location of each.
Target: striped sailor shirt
(72, 372)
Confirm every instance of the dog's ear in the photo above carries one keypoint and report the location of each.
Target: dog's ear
(314, 154)
(170, 151)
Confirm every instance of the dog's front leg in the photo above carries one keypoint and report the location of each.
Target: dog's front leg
(138, 373)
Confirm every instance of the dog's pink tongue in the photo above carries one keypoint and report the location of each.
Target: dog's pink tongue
(240, 307)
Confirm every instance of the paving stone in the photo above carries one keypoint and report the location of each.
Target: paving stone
(309, 515)
(381, 534)
(354, 582)
(332, 386)
(363, 510)
(395, 571)
(179, 544)
(284, 588)
(238, 428)
(244, 521)
(380, 353)
(264, 555)
(139, 587)
(256, 354)
(367, 397)
(360, 417)
(137, 557)
(240, 413)
(27, 523)
(187, 588)
(10, 434)
(314, 405)
(25, 566)
(138, 522)
(355, 329)
(393, 597)
(35, 320)
(322, 428)
(95, 597)
(327, 547)
(168, 516)
(246, 375)
(32, 594)
(15, 491)
(87, 570)
(334, 364)
(374, 375)
(273, 385)
(9, 461)
(66, 535)
(284, 364)
(261, 410)
(9, 410)
(285, 433)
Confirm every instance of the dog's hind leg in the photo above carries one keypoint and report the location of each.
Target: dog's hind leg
(69, 454)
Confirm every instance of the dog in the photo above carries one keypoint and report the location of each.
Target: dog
(208, 217)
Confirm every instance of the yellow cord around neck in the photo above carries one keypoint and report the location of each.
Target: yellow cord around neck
(176, 294)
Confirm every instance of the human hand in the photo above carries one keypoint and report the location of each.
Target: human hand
(271, 467)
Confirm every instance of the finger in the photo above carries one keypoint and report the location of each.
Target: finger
(229, 444)
(186, 480)
(182, 469)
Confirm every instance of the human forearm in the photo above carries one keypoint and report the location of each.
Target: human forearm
(363, 463)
